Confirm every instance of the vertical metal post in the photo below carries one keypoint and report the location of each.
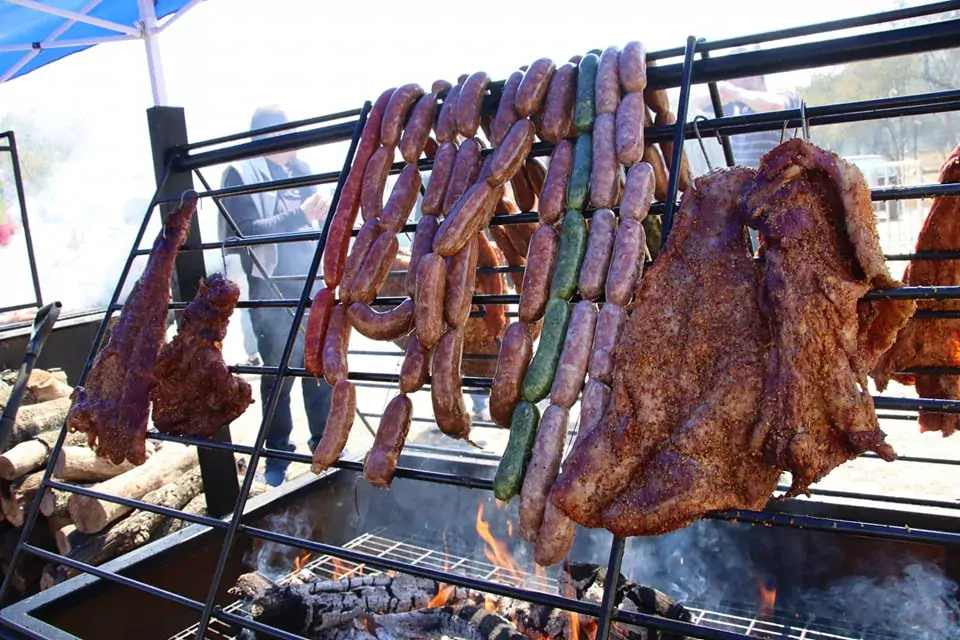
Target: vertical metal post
(718, 113)
(168, 129)
(678, 138)
(34, 511)
(148, 29)
(610, 588)
(22, 201)
(278, 380)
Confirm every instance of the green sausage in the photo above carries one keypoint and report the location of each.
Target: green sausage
(585, 110)
(513, 463)
(579, 182)
(539, 378)
(573, 246)
(653, 229)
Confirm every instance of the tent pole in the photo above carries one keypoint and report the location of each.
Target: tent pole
(148, 21)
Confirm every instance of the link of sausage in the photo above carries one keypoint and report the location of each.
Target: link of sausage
(638, 192)
(446, 386)
(380, 463)
(382, 325)
(431, 288)
(396, 113)
(417, 132)
(466, 218)
(415, 368)
(596, 261)
(374, 182)
(345, 217)
(633, 67)
(446, 127)
(469, 102)
(509, 157)
(572, 368)
(684, 179)
(593, 406)
(466, 168)
(461, 283)
(626, 266)
(402, 199)
(343, 408)
(316, 331)
(553, 198)
(541, 260)
(533, 87)
(376, 268)
(605, 175)
(609, 326)
(422, 245)
(630, 120)
(542, 470)
(651, 155)
(506, 113)
(558, 105)
(436, 190)
(507, 387)
(607, 88)
(368, 233)
(335, 346)
(494, 315)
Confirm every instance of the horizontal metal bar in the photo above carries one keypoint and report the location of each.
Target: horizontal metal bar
(341, 132)
(925, 255)
(812, 29)
(882, 44)
(937, 314)
(253, 625)
(881, 194)
(18, 307)
(917, 404)
(920, 502)
(398, 354)
(113, 577)
(863, 529)
(916, 293)
(138, 504)
(246, 241)
(328, 177)
(286, 126)
(932, 371)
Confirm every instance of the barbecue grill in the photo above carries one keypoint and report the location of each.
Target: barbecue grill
(369, 530)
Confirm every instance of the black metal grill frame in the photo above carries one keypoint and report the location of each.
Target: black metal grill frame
(183, 159)
(8, 145)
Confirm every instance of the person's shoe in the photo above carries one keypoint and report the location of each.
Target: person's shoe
(253, 361)
(274, 477)
(482, 414)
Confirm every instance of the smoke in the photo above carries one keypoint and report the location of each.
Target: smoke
(716, 565)
(274, 560)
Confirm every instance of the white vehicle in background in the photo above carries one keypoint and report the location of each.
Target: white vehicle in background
(881, 172)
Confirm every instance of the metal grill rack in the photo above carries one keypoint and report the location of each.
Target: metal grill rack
(328, 567)
(176, 160)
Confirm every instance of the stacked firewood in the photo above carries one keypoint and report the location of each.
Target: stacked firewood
(80, 527)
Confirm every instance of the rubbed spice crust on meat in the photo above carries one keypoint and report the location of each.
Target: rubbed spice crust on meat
(113, 405)
(822, 254)
(197, 395)
(688, 374)
(932, 342)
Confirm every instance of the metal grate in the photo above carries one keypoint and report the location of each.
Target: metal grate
(327, 567)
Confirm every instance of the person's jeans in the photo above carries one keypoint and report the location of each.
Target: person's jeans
(272, 327)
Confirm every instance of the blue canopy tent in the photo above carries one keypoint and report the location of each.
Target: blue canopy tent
(34, 34)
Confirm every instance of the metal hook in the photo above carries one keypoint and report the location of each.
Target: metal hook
(783, 132)
(703, 148)
(803, 120)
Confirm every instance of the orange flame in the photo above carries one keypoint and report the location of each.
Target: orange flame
(339, 569)
(442, 596)
(495, 550)
(489, 604)
(768, 599)
(300, 562)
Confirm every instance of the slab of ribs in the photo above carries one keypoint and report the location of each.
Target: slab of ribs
(932, 342)
(113, 405)
(197, 395)
(729, 373)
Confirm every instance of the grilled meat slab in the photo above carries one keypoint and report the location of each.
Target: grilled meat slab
(932, 342)
(113, 406)
(822, 254)
(197, 395)
(688, 375)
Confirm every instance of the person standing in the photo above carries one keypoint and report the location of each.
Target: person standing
(286, 211)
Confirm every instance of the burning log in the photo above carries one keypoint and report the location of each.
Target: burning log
(42, 386)
(399, 603)
(167, 465)
(130, 533)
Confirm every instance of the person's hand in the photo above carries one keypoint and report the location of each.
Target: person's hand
(315, 207)
(729, 92)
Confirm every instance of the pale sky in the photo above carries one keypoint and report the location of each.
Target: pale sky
(226, 57)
